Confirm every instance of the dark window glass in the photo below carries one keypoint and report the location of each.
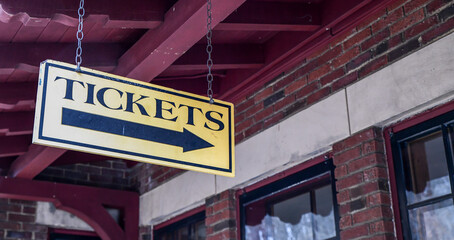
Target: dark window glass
(192, 228)
(300, 206)
(424, 176)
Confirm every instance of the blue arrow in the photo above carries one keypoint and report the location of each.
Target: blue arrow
(187, 140)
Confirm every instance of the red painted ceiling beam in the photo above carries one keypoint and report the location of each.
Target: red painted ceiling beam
(86, 203)
(273, 16)
(16, 123)
(184, 26)
(34, 161)
(11, 93)
(14, 145)
(118, 13)
(28, 56)
(225, 56)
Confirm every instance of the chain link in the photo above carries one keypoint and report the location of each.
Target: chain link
(80, 35)
(209, 49)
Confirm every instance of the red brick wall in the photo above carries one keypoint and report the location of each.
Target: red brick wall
(112, 174)
(403, 27)
(145, 177)
(17, 220)
(221, 216)
(363, 186)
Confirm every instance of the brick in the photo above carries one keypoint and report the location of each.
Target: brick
(29, 210)
(377, 16)
(254, 109)
(316, 53)
(244, 125)
(341, 37)
(354, 232)
(345, 221)
(329, 55)
(286, 101)
(357, 38)
(347, 56)
(89, 169)
(396, 4)
(340, 171)
(344, 81)
(20, 218)
(390, 18)
(22, 202)
(420, 27)
(224, 204)
(363, 136)
(33, 227)
(370, 187)
(378, 198)
(240, 117)
(316, 74)
(273, 98)
(239, 138)
(373, 146)
(438, 31)
(403, 50)
(295, 85)
(373, 66)
(224, 225)
(106, 164)
(346, 156)
(395, 41)
(371, 214)
(263, 94)
(381, 227)
(285, 81)
(332, 76)
(253, 129)
(381, 48)
(358, 61)
(349, 181)
(344, 209)
(244, 105)
(357, 204)
(76, 175)
(10, 208)
(413, 5)
(375, 39)
(407, 22)
(446, 13)
(295, 107)
(436, 5)
(306, 90)
(317, 96)
(263, 114)
(273, 120)
(375, 173)
(10, 225)
(367, 162)
(343, 196)
(52, 171)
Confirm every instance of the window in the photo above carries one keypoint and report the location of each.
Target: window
(300, 206)
(192, 228)
(423, 162)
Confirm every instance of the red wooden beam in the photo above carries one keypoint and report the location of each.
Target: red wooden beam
(14, 145)
(101, 56)
(34, 161)
(184, 26)
(273, 16)
(134, 14)
(85, 202)
(16, 123)
(225, 56)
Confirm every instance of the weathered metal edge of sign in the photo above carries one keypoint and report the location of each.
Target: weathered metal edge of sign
(39, 138)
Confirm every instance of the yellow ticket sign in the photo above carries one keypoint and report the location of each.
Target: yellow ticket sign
(105, 114)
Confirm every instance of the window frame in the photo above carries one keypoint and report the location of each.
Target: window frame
(187, 218)
(417, 126)
(307, 176)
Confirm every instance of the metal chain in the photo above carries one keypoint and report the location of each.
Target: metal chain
(209, 49)
(80, 35)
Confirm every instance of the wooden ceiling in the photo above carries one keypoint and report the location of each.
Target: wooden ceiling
(158, 41)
